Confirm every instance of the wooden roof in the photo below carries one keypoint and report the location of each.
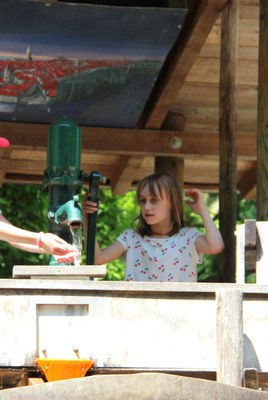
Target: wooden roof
(184, 104)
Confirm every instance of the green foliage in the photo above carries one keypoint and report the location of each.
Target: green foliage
(26, 207)
(246, 210)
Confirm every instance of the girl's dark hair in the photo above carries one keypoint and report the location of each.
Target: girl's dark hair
(162, 182)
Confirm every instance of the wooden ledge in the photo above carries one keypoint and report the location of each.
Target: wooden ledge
(58, 272)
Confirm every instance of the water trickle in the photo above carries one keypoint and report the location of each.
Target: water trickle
(76, 231)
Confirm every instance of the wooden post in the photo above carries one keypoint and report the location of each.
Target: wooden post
(175, 165)
(228, 139)
(229, 337)
(262, 124)
(172, 165)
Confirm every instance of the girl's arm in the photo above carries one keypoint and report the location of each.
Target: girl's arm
(107, 254)
(211, 242)
(32, 241)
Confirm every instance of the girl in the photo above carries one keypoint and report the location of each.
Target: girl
(161, 248)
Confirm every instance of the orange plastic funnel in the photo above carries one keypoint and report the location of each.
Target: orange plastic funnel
(59, 369)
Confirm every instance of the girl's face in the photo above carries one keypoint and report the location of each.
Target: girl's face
(154, 208)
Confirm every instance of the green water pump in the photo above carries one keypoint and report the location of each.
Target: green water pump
(63, 177)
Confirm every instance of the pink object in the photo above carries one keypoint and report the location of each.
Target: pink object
(4, 142)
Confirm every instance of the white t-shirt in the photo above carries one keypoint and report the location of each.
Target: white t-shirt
(171, 259)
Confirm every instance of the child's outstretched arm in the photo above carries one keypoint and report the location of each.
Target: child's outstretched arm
(211, 242)
(46, 243)
(107, 254)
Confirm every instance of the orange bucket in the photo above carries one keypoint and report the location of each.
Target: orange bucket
(59, 369)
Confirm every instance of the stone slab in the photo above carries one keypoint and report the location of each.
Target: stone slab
(145, 386)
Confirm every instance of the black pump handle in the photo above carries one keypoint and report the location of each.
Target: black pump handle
(94, 195)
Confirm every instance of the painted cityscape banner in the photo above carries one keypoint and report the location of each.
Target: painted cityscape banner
(94, 64)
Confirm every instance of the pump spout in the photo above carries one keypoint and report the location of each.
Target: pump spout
(69, 213)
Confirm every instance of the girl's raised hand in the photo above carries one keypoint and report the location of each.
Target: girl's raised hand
(196, 200)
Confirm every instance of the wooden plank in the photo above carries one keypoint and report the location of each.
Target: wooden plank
(250, 234)
(229, 337)
(250, 245)
(228, 139)
(195, 30)
(251, 10)
(207, 70)
(192, 96)
(27, 271)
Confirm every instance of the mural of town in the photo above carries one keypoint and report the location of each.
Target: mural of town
(104, 81)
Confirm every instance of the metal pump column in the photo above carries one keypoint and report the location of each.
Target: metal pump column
(63, 177)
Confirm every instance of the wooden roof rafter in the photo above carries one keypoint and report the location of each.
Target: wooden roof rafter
(197, 26)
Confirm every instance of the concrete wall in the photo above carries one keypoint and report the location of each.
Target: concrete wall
(119, 324)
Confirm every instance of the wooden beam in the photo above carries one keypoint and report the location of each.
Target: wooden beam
(130, 141)
(126, 173)
(197, 25)
(262, 124)
(228, 139)
(118, 182)
(248, 182)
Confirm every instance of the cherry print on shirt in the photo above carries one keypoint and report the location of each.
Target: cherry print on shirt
(144, 271)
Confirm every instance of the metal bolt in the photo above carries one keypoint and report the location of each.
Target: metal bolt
(175, 142)
(76, 352)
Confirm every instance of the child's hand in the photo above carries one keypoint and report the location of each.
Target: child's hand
(196, 200)
(66, 259)
(53, 244)
(89, 207)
